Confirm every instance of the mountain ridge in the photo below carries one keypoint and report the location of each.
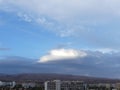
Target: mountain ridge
(33, 77)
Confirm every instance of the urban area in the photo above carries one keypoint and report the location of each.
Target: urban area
(57, 85)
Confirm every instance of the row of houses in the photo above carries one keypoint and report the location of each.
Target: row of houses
(63, 85)
(21, 86)
(79, 85)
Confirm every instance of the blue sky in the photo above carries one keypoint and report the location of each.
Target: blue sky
(56, 36)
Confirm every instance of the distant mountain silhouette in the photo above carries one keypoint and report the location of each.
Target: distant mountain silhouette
(36, 77)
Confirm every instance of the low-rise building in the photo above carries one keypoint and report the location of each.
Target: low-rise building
(10, 84)
(118, 86)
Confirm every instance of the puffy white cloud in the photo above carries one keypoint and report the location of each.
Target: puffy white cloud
(62, 54)
(73, 54)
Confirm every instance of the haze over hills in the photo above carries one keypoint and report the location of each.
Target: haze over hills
(43, 77)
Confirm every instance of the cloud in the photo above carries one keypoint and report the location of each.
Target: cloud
(59, 54)
(70, 54)
(15, 64)
(61, 9)
(71, 16)
(25, 17)
(104, 50)
(88, 21)
(93, 23)
(96, 64)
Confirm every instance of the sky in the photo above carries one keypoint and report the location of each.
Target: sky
(79, 37)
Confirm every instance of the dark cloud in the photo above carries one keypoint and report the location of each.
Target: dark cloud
(94, 64)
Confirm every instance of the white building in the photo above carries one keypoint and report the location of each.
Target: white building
(64, 85)
(1, 83)
(10, 84)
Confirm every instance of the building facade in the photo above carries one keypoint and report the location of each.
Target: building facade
(64, 85)
(10, 84)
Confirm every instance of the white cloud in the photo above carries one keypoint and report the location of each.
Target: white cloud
(90, 20)
(62, 54)
(57, 8)
(107, 50)
(103, 50)
(65, 9)
(25, 17)
(72, 16)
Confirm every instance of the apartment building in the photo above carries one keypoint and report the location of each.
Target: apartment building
(10, 84)
(64, 85)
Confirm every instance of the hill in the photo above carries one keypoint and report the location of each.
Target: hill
(36, 77)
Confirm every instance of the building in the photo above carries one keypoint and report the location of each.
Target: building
(9, 84)
(118, 86)
(28, 85)
(64, 85)
(1, 83)
(101, 86)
